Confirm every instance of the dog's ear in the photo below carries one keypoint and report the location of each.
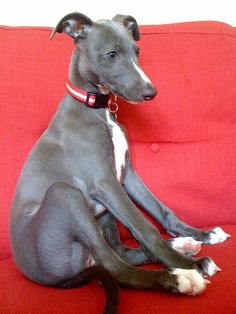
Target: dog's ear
(75, 24)
(130, 23)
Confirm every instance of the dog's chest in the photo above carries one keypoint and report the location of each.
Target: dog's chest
(119, 143)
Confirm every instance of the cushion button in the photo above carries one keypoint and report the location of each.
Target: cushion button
(155, 147)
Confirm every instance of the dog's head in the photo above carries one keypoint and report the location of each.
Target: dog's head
(107, 55)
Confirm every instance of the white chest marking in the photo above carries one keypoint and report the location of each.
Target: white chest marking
(120, 145)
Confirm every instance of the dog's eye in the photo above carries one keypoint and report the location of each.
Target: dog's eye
(112, 55)
(137, 51)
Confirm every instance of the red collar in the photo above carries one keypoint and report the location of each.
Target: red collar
(92, 100)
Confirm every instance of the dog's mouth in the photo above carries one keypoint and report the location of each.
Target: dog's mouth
(134, 99)
(107, 90)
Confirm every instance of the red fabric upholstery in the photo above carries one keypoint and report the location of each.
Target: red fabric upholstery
(19, 295)
(182, 144)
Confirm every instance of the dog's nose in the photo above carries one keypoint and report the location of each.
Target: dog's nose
(149, 92)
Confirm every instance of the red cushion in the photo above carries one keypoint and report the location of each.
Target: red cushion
(20, 295)
(182, 142)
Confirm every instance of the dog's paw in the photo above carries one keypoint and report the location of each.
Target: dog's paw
(216, 235)
(185, 245)
(206, 266)
(190, 282)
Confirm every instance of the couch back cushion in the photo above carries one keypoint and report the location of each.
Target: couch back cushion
(182, 142)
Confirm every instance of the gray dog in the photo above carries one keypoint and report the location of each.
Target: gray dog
(79, 178)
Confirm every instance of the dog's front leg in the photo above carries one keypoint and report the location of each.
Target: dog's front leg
(111, 194)
(132, 256)
(144, 198)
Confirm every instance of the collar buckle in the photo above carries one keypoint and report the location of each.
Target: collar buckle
(101, 101)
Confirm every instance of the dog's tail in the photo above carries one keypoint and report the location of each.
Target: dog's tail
(101, 275)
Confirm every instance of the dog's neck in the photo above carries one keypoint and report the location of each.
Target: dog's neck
(77, 80)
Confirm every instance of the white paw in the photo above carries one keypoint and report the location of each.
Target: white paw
(190, 282)
(186, 245)
(217, 235)
(211, 268)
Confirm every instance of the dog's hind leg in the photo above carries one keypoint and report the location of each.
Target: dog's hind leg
(65, 222)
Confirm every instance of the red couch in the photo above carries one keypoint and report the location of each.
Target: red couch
(183, 144)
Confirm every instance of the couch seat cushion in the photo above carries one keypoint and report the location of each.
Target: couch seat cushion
(20, 296)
